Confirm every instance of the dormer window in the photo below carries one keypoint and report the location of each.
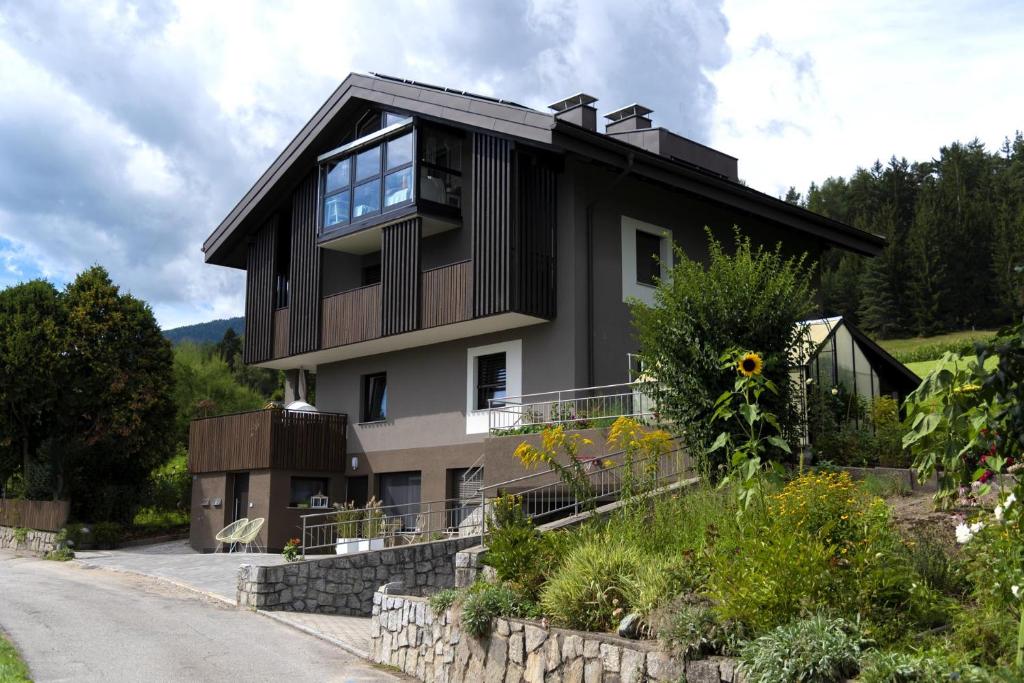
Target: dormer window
(395, 164)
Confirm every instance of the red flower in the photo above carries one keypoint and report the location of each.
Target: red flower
(985, 476)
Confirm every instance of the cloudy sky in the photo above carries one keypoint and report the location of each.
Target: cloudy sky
(128, 130)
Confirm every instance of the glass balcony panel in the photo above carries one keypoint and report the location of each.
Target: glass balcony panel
(442, 149)
(391, 118)
(367, 164)
(336, 209)
(400, 151)
(338, 175)
(366, 200)
(438, 186)
(398, 187)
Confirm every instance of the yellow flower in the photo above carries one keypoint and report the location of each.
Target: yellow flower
(750, 365)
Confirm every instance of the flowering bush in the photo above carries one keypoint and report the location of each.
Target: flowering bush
(555, 441)
(292, 550)
(831, 507)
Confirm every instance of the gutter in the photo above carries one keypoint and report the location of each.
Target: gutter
(605, 191)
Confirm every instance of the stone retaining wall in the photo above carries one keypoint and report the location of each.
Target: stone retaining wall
(345, 584)
(405, 633)
(37, 541)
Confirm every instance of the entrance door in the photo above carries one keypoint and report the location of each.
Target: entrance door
(400, 494)
(356, 491)
(240, 496)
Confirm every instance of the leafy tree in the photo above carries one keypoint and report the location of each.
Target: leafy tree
(748, 300)
(31, 366)
(230, 348)
(204, 385)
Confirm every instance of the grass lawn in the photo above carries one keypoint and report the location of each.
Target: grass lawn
(12, 666)
(922, 368)
(902, 346)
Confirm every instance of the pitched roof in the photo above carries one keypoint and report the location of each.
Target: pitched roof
(505, 118)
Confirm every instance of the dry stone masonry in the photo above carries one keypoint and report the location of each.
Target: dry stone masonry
(345, 584)
(35, 542)
(407, 634)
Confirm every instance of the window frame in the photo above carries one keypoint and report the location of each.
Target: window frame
(421, 163)
(325, 490)
(632, 288)
(407, 125)
(659, 240)
(477, 421)
(490, 386)
(366, 415)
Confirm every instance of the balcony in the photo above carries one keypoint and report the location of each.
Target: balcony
(574, 408)
(268, 439)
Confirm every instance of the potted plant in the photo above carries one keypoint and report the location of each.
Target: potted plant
(347, 522)
(373, 527)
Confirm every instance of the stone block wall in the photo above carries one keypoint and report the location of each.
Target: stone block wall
(36, 541)
(405, 633)
(345, 584)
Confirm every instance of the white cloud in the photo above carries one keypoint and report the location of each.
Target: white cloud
(818, 88)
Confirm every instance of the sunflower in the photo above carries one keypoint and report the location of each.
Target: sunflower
(750, 364)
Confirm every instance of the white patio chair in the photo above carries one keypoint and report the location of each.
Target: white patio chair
(249, 535)
(228, 534)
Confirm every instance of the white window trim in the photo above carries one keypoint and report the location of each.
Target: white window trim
(630, 287)
(477, 420)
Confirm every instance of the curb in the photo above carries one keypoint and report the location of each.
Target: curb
(362, 654)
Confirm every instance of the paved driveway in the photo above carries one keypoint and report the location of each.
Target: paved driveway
(215, 573)
(73, 623)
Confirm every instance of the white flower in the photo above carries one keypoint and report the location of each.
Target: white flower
(1010, 500)
(1016, 591)
(998, 513)
(976, 527)
(963, 533)
(835, 391)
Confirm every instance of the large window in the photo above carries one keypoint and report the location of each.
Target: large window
(375, 397)
(375, 176)
(491, 379)
(441, 167)
(400, 494)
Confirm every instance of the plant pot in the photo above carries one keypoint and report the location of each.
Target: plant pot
(371, 544)
(345, 546)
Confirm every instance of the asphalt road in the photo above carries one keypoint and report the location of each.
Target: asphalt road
(73, 623)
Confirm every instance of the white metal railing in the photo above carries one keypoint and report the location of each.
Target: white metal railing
(578, 408)
(545, 497)
(377, 527)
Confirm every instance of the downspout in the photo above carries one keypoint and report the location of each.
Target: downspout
(605, 191)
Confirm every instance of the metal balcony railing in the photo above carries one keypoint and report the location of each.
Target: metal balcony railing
(577, 408)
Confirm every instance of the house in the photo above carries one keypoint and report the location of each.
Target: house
(430, 254)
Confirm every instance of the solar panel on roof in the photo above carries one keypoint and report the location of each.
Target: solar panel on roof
(454, 91)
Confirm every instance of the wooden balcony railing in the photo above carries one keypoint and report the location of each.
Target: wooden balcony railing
(350, 317)
(280, 332)
(262, 439)
(446, 294)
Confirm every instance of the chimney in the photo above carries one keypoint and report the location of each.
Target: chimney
(628, 119)
(578, 110)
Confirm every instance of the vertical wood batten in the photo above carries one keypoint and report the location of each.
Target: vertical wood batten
(259, 292)
(492, 223)
(304, 295)
(400, 277)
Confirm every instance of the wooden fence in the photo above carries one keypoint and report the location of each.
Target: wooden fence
(43, 515)
(351, 317)
(447, 295)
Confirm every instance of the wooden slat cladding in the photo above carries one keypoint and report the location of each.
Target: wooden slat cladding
(447, 295)
(281, 327)
(492, 222)
(43, 515)
(400, 277)
(351, 316)
(534, 243)
(259, 295)
(304, 285)
(267, 438)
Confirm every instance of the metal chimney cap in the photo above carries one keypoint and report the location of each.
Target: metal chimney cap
(580, 99)
(627, 112)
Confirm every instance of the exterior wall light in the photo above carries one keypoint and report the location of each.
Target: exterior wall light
(355, 463)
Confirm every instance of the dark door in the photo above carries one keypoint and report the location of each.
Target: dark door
(400, 494)
(240, 496)
(356, 491)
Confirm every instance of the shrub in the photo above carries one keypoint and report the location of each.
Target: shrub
(691, 628)
(60, 554)
(588, 592)
(347, 519)
(78, 535)
(908, 667)
(830, 507)
(107, 534)
(814, 650)
(485, 601)
(932, 562)
(747, 298)
(292, 550)
(442, 600)
(20, 535)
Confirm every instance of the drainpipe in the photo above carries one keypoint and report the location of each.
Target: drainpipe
(605, 191)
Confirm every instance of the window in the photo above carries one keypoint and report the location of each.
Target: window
(490, 379)
(648, 251)
(646, 258)
(376, 176)
(304, 488)
(400, 495)
(375, 397)
(441, 167)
